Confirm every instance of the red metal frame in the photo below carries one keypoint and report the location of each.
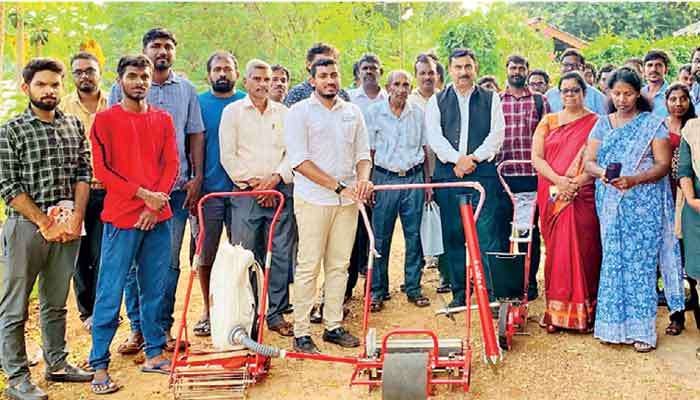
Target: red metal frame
(517, 314)
(256, 364)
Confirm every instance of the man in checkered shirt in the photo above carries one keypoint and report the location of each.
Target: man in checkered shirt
(523, 110)
(44, 159)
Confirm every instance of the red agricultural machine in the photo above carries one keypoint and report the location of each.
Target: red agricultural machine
(406, 363)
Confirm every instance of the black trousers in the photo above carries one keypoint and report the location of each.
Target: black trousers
(87, 267)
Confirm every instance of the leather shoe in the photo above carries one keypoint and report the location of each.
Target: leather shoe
(283, 328)
(25, 391)
(69, 373)
(305, 344)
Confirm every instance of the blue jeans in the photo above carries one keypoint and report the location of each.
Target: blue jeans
(407, 205)
(131, 291)
(121, 250)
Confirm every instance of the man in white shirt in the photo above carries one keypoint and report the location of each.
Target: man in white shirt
(465, 129)
(254, 156)
(327, 146)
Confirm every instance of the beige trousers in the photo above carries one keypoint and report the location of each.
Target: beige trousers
(326, 237)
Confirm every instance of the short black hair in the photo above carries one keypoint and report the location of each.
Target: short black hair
(573, 52)
(158, 33)
(84, 55)
(138, 61)
(459, 53)
(320, 48)
(695, 50)
(539, 72)
(423, 58)
(632, 78)
(604, 70)
(356, 70)
(41, 64)
(440, 71)
(221, 54)
(321, 63)
(590, 66)
(488, 78)
(577, 76)
(657, 55)
(517, 59)
(690, 114)
(279, 67)
(685, 67)
(369, 58)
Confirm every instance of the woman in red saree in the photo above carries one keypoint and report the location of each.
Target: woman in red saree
(568, 221)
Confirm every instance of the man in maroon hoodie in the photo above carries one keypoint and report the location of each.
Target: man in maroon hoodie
(135, 156)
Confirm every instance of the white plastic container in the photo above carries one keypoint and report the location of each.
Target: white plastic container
(231, 297)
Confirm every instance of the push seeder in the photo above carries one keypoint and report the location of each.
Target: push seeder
(406, 363)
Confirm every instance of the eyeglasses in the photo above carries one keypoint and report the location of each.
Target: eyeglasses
(573, 91)
(90, 73)
(570, 66)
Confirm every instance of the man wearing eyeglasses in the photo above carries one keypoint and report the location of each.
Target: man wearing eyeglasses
(573, 60)
(86, 101)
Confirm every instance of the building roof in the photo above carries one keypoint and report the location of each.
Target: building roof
(551, 31)
(692, 29)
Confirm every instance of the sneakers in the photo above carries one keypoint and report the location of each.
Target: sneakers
(304, 344)
(25, 391)
(341, 337)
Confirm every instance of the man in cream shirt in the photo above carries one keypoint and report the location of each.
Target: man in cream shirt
(327, 145)
(254, 156)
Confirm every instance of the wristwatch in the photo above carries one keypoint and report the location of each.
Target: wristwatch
(340, 186)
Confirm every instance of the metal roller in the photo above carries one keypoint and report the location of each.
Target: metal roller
(405, 376)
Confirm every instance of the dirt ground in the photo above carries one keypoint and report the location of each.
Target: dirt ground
(540, 366)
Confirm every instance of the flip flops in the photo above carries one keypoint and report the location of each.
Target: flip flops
(161, 367)
(202, 328)
(106, 386)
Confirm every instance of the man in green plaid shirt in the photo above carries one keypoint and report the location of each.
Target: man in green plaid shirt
(44, 160)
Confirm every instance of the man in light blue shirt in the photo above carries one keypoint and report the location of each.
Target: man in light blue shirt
(655, 69)
(399, 145)
(573, 60)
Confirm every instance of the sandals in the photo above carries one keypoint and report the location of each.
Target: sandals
(106, 386)
(202, 328)
(170, 345)
(131, 345)
(674, 328)
(419, 301)
(641, 347)
(161, 367)
(376, 305)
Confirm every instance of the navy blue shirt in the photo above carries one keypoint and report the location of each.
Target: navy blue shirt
(215, 177)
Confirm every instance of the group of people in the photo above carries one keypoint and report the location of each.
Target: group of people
(129, 167)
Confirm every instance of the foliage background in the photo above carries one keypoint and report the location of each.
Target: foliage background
(281, 33)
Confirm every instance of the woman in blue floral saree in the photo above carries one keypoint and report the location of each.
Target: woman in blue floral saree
(636, 214)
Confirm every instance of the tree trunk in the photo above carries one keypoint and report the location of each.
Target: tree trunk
(2, 39)
(20, 45)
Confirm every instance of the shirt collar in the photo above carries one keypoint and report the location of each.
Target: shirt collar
(381, 95)
(29, 115)
(101, 101)
(464, 97)
(339, 102)
(661, 92)
(172, 79)
(386, 109)
(271, 105)
(527, 92)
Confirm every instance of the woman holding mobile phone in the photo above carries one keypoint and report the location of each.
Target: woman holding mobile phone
(636, 214)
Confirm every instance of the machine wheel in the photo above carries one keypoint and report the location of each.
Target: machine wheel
(504, 338)
(404, 376)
